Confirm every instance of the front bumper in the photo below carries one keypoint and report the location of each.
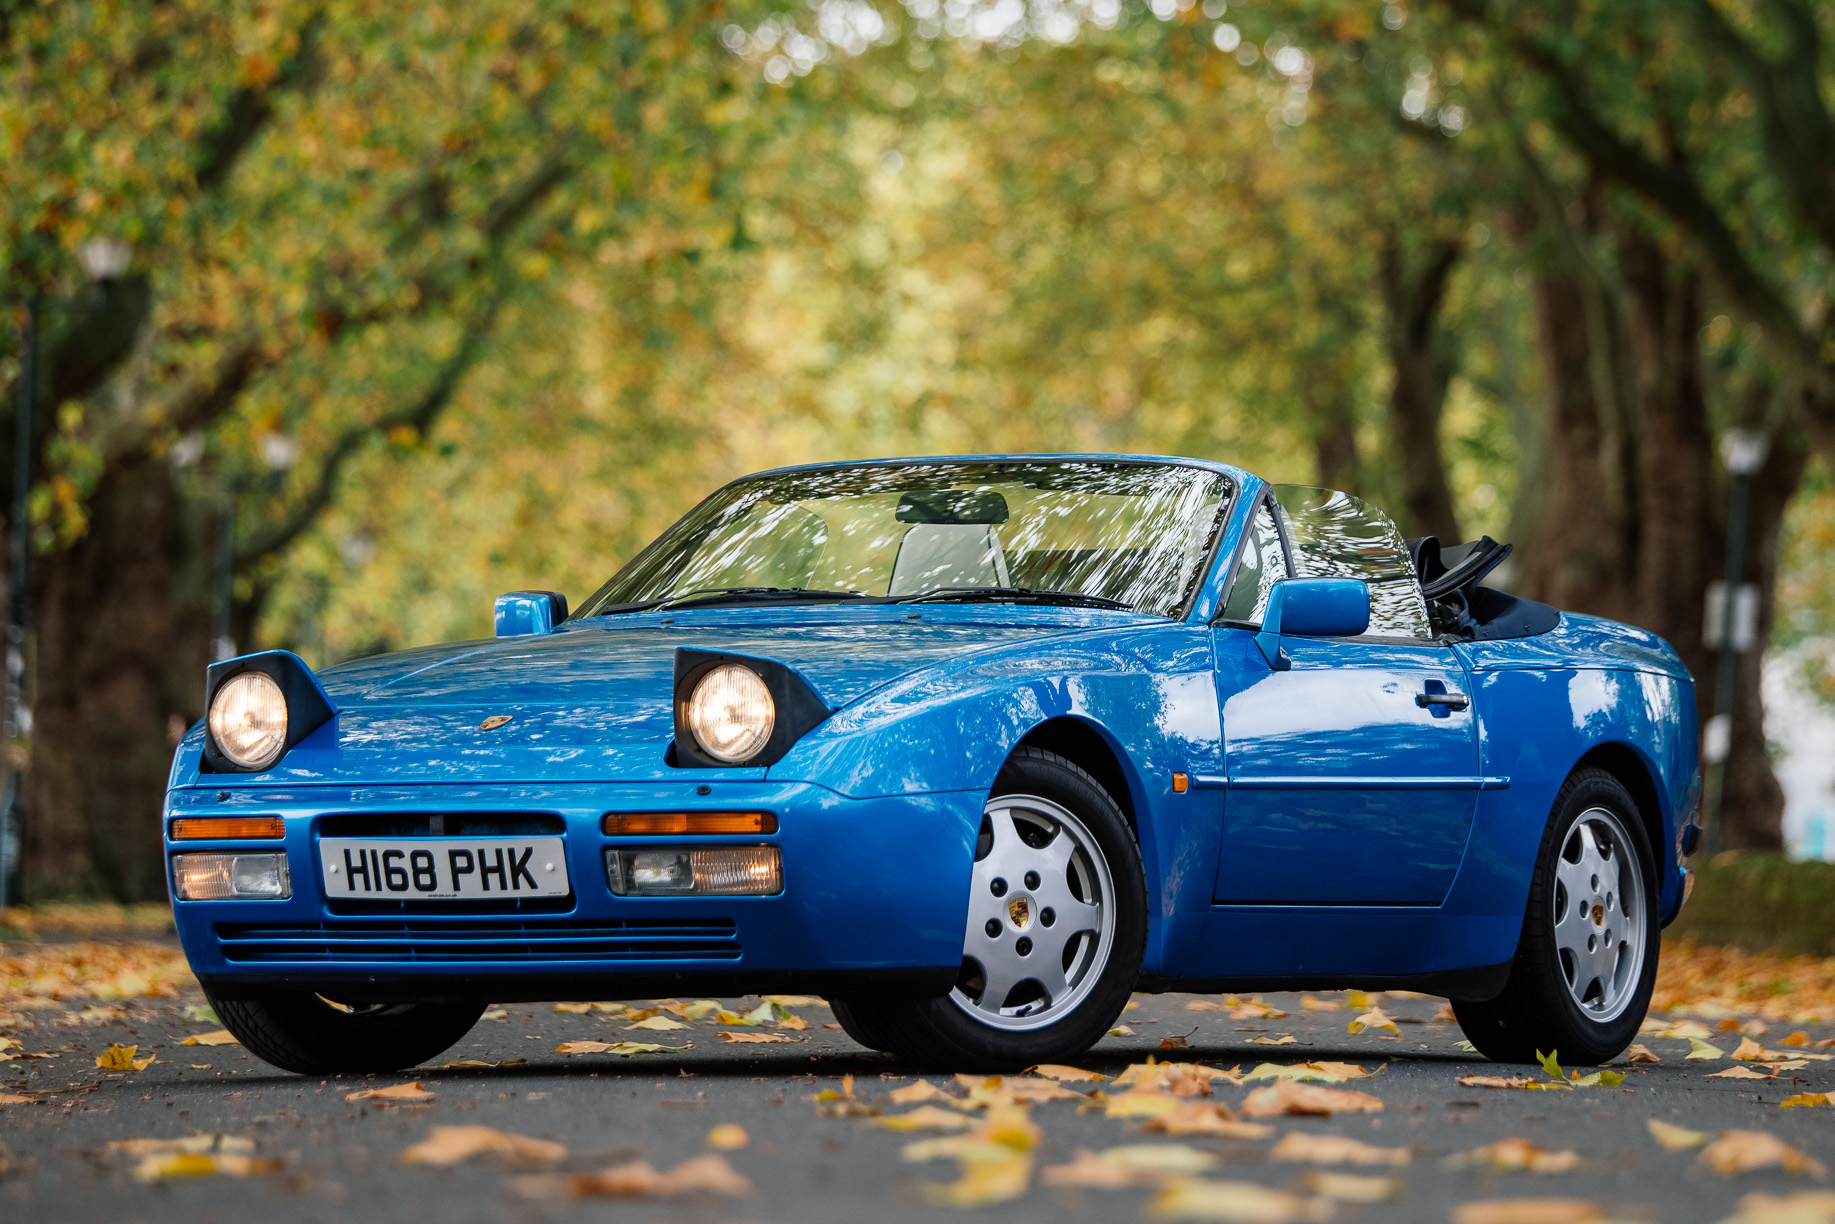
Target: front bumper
(874, 900)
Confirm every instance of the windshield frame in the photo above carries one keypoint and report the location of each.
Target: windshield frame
(1232, 484)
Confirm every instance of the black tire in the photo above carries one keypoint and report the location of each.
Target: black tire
(941, 1033)
(306, 1034)
(860, 1027)
(1537, 1012)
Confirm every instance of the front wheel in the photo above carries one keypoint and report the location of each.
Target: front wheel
(311, 1035)
(1056, 927)
(1586, 963)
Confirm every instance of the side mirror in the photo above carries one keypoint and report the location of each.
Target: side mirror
(521, 613)
(1312, 607)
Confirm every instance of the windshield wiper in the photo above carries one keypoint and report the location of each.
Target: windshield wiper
(992, 594)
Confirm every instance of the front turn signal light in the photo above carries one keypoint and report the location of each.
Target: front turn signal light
(227, 828)
(672, 824)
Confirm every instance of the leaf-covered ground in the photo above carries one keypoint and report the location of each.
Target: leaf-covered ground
(122, 1097)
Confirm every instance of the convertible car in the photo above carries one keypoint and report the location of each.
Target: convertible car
(972, 747)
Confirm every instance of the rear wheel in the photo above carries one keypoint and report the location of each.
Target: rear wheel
(1587, 959)
(312, 1035)
(1057, 922)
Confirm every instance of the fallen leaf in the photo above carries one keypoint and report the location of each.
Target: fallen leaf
(1033, 1091)
(220, 1037)
(13, 1098)
(571, 1009)
(1255, 1009)
(1740, 1073)
(922, 1090)
(395, 1092)
(1281, 1039)
(1374, 1019)
(1528, 1211)
(1351, 1187)
(1681, 1030)
(1808, 1098)
(446, 1146)
(617, 1047)
(1805, 1207)
(994, 1160)
(200, 1144)
(659, 1023)
(924, 1117)
(795, 1024)
(1516, 1155)
(1195, 1198)
(728, 1137)
(1673, 1137)
(496, 1013)
(1445, 1015)
(796, 1000)
(708, 1173)
(1494, 1081)
(1140, 1103)
(1307, 1100)
(1308, 1003)
(200, 1013)
(1697, 1048)
(1206, 1118)
(1206, 1005)
(755, 1038)
(188, 1164)
(1188, 1079)
(1121, 1030)
(1091, 1172)
(1063, 1074)
(1362, 1000)
(1741, 1151)
(1335, 1149)
(1174, 1042)
(1751, 1051)
(121, 1058)
(1798, 1038)
(1319, 1072)
(1640, 1054)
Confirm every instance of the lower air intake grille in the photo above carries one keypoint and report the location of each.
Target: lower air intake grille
(419, 942)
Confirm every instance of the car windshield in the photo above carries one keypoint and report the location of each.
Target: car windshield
(1109, 534)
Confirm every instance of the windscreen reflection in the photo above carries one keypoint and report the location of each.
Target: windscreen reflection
(1137, 533)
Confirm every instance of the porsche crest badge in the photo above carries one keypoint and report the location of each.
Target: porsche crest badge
(1019, 911)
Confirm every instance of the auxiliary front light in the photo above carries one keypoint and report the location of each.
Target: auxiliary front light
(227, 828)
(231, 877)
(702, 871)
(674, 824)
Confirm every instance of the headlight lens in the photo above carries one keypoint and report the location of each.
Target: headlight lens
(248, 720)
(731, 713)
(231, 877)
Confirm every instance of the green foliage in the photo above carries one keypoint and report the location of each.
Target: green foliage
(1761, 902)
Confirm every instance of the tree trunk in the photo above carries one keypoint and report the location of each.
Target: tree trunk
(122, 641)
(1419, 353)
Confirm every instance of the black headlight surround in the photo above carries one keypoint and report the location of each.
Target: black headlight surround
(799, 710)
(308, 708)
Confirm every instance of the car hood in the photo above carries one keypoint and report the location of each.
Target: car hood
(592, 701)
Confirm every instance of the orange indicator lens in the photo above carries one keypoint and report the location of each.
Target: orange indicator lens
(1180, 783)
(653, 824)
(213, 828)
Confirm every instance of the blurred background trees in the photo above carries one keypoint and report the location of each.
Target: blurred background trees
(389, 308)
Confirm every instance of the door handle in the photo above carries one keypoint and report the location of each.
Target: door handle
(1453, 701)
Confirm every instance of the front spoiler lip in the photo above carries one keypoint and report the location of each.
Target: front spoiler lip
(600, 985)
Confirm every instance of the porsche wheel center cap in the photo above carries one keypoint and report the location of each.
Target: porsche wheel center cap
(1019, 911)
(1599, 915)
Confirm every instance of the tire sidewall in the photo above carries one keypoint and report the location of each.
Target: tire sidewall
(1049, 777)
(1586, 1040)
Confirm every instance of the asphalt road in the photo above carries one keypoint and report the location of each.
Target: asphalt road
(341, 1159)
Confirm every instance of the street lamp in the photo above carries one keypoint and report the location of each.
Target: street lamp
(1743, 450)
(104, 259)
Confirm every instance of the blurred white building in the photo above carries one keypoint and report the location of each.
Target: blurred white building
(1802, 729)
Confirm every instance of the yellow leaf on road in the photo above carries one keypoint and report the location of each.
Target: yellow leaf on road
(728, 1137)
(1140, 1103)
(201, 1144)
(755, 1038)
(1798, 1038)
(658, 1023)
(1697, 1048)
(922, 1090)
(446, 1146)
(1336, 1149)
(1063, 1074)
(1741, 1151)
(708, 1173)
(1675, 1138)
(1740, 1073)
(1806, 1207)
(1121, 1030)
(1529, 1211)
(1678, 1030)
(924, 1117)
(1307, 1100)
(121, 1058)
(1196, 1198)
(1494, 1081)
(1808, 1098)
(1146, 1164)
(1351, 1187)
(572, 1009)
(1320, 1072)
(220, 1037)
(187, 1164)
(1308, 1003)
(1282, 1039)
(1640, 1054)
(1374, 1019)
(616, 1047)
(1516, 1155)
(395, 1092)
(1206, 1118)
(795, 1024)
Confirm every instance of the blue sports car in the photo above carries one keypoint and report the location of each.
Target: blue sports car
(973, 747)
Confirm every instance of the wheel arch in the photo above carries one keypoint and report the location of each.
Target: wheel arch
(1087, 746)
(1624, 763)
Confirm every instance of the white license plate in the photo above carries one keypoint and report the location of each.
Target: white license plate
(450, 869)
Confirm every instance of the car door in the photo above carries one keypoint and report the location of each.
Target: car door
(1351, 775)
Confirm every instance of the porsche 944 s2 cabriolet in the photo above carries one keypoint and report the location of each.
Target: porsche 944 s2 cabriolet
(973, 747)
